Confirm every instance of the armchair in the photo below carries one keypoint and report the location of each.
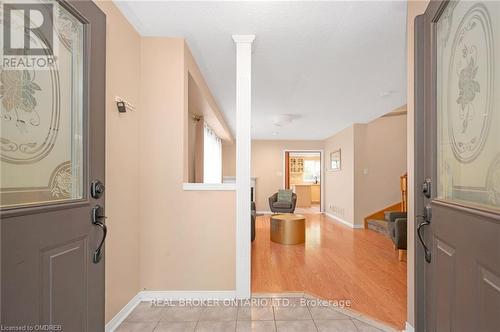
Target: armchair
(397, 222)
(282, 207)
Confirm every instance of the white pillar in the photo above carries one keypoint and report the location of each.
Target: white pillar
(243, 160)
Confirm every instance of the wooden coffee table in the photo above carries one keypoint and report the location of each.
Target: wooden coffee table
(288, 228)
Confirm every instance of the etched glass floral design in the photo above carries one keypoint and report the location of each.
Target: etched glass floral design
(42, 110)
(61, 184)
(17, 91)
(467, 108)
(468, 87)
(67, 27)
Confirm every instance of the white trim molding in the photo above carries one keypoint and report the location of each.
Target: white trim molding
(243, 161)
(243, 39)
(342, 221)
(209, 186)
(409, 328)
(122, 314)
(187, 295)
(144, 296)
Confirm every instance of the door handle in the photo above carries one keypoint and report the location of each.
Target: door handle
(98, 252)
(427, 220)
(98, 220)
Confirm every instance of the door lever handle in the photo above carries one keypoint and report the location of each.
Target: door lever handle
(97, 220)
(425, 222)
(98, 252)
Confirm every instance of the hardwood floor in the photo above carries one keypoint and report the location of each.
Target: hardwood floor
(315, 208)
(336, 262)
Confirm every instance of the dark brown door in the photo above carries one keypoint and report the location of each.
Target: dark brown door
(458, 166)
(52, 149)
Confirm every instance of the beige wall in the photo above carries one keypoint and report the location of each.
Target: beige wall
(187, 237)
(267, 166)
(377, 149)
(122, 147)
(199, 101)
(195, 124)
(206, 104)
(339, 185)
(373, 159)
(192, 140)
(414, 8)
(228, 159)
(379, 161)
(159, 237)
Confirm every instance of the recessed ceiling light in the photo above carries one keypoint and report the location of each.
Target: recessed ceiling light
(281, 120)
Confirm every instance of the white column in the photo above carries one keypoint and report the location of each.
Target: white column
(243, 161)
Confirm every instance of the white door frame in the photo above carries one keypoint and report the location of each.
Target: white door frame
(322, 172)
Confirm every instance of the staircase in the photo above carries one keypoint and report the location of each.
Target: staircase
(379, 220)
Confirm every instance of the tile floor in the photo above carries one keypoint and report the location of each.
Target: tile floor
(301, 314)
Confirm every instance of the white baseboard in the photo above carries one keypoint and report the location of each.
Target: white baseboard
(409, 328)
(263, 212)
(342, 221)
(120, 316)
(187, 295)
(165, 295)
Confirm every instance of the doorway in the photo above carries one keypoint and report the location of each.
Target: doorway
(303, 174)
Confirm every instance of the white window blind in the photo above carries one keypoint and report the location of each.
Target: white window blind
(212, 156)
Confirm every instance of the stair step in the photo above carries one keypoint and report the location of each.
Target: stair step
(386, 215)
(377, 225)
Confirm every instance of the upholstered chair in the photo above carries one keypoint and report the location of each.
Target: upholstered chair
(282, 207)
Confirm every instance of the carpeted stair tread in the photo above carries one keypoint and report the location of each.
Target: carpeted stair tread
(378, 225)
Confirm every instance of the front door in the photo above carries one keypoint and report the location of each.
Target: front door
(458, 165)
(52, 98)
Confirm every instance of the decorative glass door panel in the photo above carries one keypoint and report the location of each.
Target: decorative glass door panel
(42, 120)
(468, 103)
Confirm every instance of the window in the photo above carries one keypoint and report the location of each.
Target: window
(312, 171)
(212, 156)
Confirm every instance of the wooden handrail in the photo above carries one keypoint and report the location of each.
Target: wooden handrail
(404, 192)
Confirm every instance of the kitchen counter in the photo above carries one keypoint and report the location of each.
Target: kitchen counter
(307, 193)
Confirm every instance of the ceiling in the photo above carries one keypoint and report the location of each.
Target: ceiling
(321, 66)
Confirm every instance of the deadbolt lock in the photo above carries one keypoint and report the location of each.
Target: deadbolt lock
(96, 189)
(427, 188)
